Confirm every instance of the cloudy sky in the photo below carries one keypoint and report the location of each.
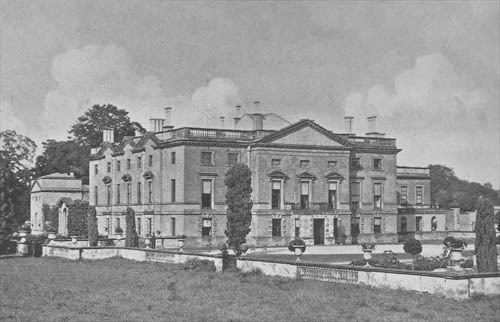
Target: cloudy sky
(429, 70)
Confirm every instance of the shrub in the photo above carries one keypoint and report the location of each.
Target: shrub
(296, 242)
(486, 252)
(239, 205)
(412, 246)
(455, 243)
(368, 246)
(199, 264)
(469, 263)
(92, 226)
(429, 263)
(118, 230)
(131, 238)
(77, 219)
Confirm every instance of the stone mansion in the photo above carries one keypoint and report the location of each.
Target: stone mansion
(307, 181)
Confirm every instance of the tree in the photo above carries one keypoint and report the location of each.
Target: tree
(413, 247)
(77, 218)
(447, 190)
(63, 157)
(92, 226)
(6, 206)
(486, 252)
(131, 234)
(239, 205)
(87, 131)
(16, 154)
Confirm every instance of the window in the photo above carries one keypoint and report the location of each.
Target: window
(403, 226)
(96, 169)
(139, 162)
(275, 162)
(332, 164)
(206, 194)
(356, 163)
(276, 195)
(108, 224)
(96, 195)
(129, 191)
(276, 228)
(172, 227)
(149, 223)
(128, 164)
(139, 193)
(118, 201)
(355, 192)
(172, 190)
(404, 195)
(150, 191)
(377, 225)
(332, 195)
(172, 157)
(377, 164)
(377, 195)
(297, 227)
(108, 167)
(304, 163)
(232, 158)
(304, 195)
(206, 227)
(419, 195)
(139, 228)
(150, 160)
(118, 166)
(108, 194)
(418, 223)
(117, 223)
(206, 158)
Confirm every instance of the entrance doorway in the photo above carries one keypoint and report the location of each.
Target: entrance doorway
(354, 230)
(319, 231)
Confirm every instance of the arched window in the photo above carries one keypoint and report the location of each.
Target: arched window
(403, 225)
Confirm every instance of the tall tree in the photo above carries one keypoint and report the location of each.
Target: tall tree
(16, 150)
(87, 131)
(131, 234)
(239, 205)
(77, 219)
(486, 252)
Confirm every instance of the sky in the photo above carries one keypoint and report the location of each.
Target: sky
(429, 71)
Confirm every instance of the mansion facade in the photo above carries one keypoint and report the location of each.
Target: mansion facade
(307, 182)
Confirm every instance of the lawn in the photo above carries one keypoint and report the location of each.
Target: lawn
(51, 289)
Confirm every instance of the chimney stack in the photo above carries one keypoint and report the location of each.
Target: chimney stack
(222, 118)
(348, 124)
(237, 118)
(168, 119)
(258, 121)
(256, 104)
(108, 136)
(371, 124)
(156, 125)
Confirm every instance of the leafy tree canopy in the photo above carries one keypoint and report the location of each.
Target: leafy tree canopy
(63, 156)
(449, 191)
(87, 131)
(16, 150)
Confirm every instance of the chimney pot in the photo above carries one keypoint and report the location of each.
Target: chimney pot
(168, 119)
(348, 124)
(108, 135)
(222, 118)
(258, 121)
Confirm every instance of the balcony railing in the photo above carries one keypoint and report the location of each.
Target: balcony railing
(413, 171)
(372, 141)
(324, 206)
(219, 133)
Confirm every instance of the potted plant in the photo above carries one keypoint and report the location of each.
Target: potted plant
(119, 232)
(298, 246)
(24, 230)
(455, 247)
(367, 251)
(413, 247)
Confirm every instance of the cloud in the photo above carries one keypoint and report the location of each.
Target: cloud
(100, 75)
(9, 120)
(436, 118)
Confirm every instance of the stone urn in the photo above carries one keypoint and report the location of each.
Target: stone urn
(51, 235)
(367, 254)
(298, 250)
(180, 243)
(74, 240)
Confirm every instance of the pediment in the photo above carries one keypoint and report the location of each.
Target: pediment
(306, 175)
(332, 175)
(306, 132)
(277, 174)
(36, 187)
